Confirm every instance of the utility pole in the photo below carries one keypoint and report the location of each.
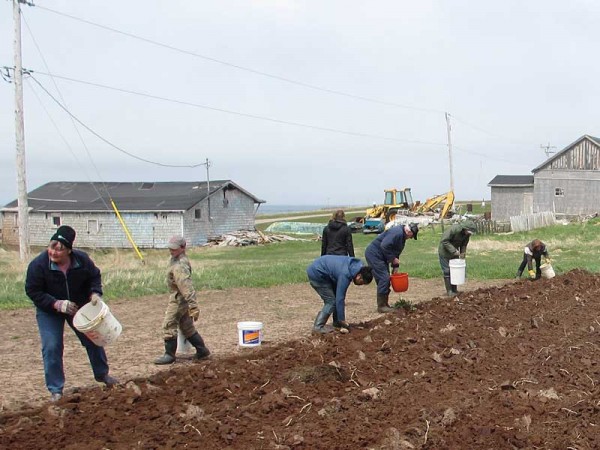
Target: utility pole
(448, 127)
(207, 163)
(547, 148)
(23, 207)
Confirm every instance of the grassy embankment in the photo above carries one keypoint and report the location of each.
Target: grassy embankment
(489, 257)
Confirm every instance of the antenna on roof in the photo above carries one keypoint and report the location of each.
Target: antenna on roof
(547, 148)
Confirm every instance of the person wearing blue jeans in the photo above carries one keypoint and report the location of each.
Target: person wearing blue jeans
(59, 281)
(330, 276)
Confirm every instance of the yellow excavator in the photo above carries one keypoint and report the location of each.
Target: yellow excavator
(442, 202)
(396, 201)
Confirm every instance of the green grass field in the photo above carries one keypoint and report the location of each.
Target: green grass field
(489, 257)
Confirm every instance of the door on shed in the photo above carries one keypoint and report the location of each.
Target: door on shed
(528, 203)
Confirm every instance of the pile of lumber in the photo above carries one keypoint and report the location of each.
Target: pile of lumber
(247, 237)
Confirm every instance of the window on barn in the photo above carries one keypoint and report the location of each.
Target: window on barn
(92, 226)
(146, 186)
(198, 214)
(559, 192)
(225, 200)
(56, 221)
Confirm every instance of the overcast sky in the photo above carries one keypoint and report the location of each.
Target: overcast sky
(301, 102)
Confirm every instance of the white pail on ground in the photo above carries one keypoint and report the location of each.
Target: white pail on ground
(183, 345)
(249, 333)
(97, 323)
(547, 271)
(457, 271)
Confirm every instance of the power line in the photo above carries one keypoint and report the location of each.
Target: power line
(276, 77)
(74, 126)
(139, 158)
(237, 66)
(237, 113)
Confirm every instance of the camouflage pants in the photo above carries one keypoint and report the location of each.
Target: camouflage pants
(177, 316)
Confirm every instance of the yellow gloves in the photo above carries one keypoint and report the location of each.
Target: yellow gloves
(532, 274)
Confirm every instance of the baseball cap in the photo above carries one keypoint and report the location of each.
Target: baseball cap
(415, 229)
(176, 242)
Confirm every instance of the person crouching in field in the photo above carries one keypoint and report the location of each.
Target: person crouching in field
(182, 309)
(533, 251)
(330, 276)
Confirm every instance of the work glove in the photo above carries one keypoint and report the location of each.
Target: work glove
(456, 254)
(462, 255)
(532, 274)
(548, 260)
(95, 298)
(66, 307)
(194, 312)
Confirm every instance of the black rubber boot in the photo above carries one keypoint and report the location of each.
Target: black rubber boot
(449, 289)
(454, 289)
(519, 273)
(320, 325)
(382, 303)
(201, 350)
(169, 356)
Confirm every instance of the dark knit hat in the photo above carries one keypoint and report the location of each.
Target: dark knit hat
(65, 235)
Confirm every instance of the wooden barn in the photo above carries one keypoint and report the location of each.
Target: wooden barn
(566, 184)
(512, 195)
(152, 211)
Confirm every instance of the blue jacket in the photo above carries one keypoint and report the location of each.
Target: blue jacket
(389, 244)
(46, 283)
(339, 271)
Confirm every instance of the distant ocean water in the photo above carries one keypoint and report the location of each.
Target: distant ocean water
(275, 209)
(266, 209)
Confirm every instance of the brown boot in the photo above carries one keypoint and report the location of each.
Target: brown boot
(382, 304)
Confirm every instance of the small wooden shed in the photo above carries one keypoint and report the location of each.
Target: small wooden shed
(566, 184)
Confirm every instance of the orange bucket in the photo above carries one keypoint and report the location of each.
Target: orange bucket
(399, 282)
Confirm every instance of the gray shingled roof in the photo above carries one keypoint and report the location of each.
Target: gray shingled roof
(511, 181)
(136, 196)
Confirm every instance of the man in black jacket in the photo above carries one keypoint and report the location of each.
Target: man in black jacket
(337, 238)
(59, 281)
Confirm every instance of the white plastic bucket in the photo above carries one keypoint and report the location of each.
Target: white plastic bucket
(97, 323)
(457, 271)
(547, 271)
(249, 333)
(183, 345)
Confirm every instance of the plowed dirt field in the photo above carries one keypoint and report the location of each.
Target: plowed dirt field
(513, 366)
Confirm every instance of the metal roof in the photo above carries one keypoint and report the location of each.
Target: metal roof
(128, 196)
(512, 181)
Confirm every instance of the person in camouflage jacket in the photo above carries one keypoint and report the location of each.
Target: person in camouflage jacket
(182, 309)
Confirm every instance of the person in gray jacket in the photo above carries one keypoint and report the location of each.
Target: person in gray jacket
(454, 245)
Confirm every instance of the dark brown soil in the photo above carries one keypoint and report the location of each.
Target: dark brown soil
(508, 367)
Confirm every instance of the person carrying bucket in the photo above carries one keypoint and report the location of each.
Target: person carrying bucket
(453, 245)
(330, 276)
(59, 281)
(182, 309)
(533, 251)
(384, 251)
